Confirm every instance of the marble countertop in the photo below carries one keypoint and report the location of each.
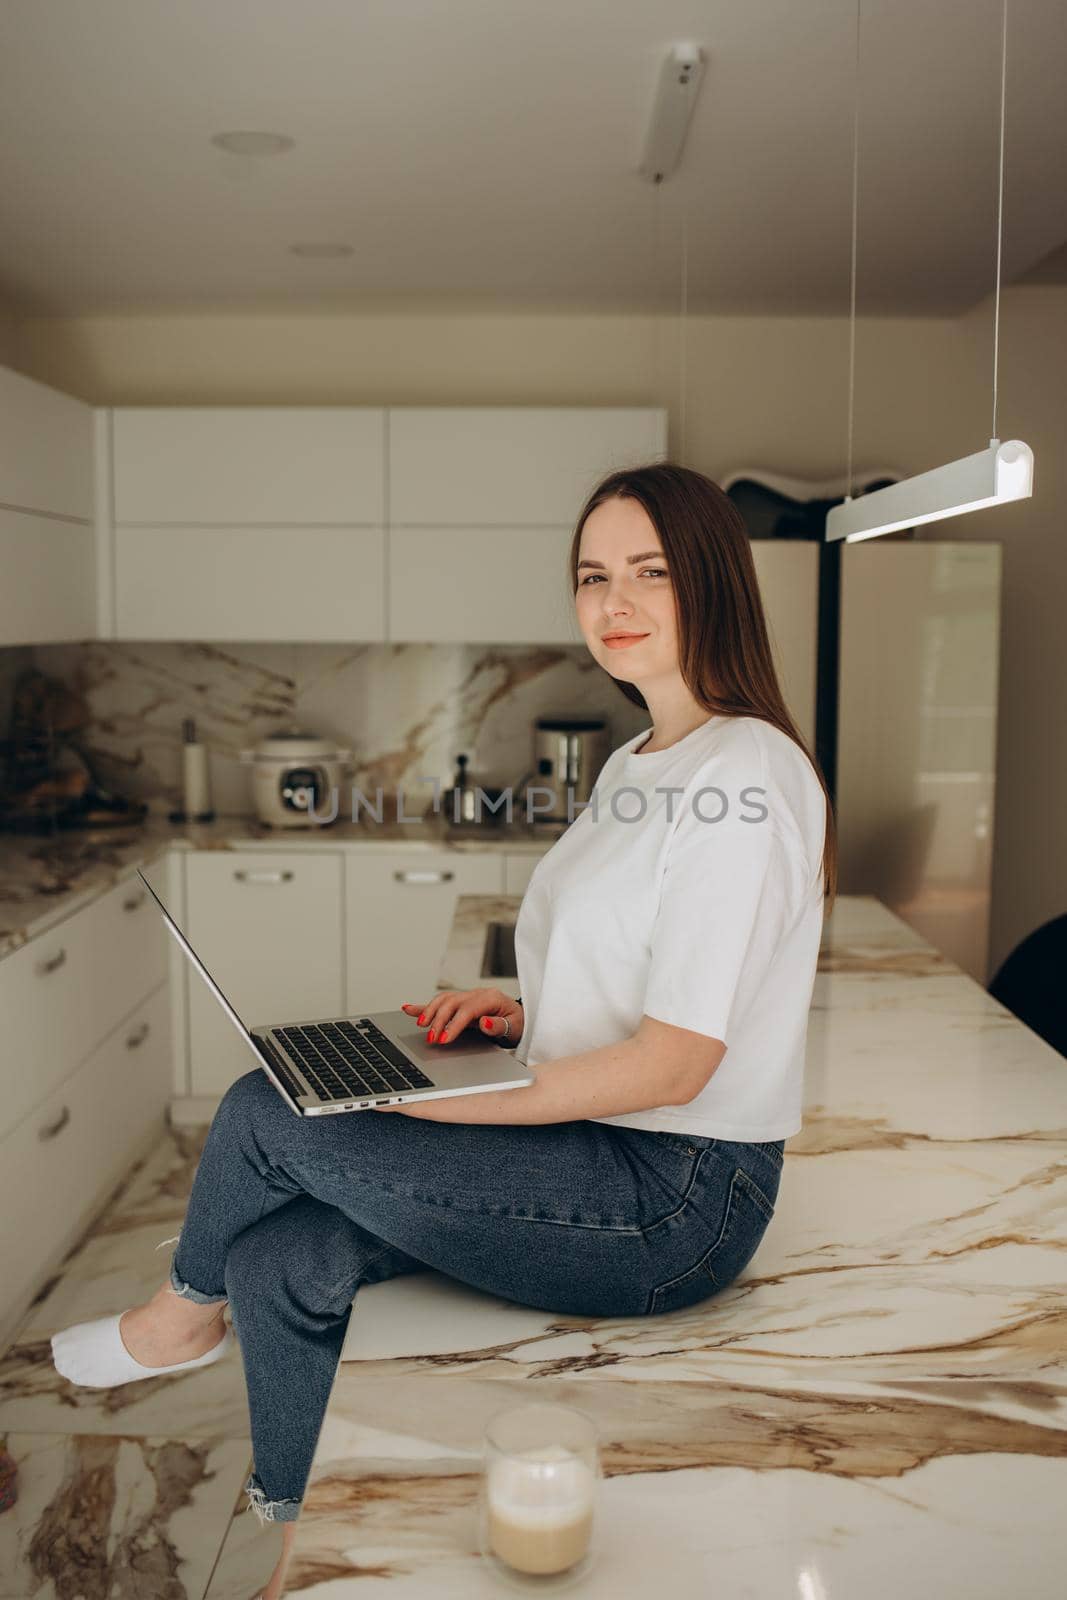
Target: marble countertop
(461, 965)
(876, 1406)
(44, 878)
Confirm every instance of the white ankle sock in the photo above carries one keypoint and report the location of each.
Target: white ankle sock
(92, 1354)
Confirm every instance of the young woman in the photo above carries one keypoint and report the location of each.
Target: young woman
(666, 950)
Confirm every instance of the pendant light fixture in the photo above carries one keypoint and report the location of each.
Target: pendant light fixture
(677, 87)
(1001, 472)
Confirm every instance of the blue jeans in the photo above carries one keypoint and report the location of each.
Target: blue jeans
(289, 1216)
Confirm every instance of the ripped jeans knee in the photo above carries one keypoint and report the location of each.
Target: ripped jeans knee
(268, 1510)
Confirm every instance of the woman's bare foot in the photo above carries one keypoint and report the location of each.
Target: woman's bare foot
(169, 1328)
(276, 1587)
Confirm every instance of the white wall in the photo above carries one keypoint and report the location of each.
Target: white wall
(765, 392)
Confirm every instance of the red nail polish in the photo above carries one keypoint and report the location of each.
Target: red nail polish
(429, 1036)
(442, 1039)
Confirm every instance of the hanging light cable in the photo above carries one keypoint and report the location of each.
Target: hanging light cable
(682, 366)
(852, 286)
(678, 82)
(1000, 211)
(1002, 472)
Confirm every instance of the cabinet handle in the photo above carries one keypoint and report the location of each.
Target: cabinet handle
(262, 877)
(45, 967)
(57, 1126)
(134, 901)
(423, 877)
(138, 1036)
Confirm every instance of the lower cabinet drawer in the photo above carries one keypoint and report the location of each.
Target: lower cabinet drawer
(64, 992)
(267, 926)
(130, 946)
(59, 1163)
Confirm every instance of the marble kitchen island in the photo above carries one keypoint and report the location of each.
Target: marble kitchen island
(875, 1408)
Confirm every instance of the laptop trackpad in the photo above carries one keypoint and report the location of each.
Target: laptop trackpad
(397, 1025)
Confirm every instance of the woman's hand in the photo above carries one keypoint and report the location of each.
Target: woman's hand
(448, 1013)
(446, 1016)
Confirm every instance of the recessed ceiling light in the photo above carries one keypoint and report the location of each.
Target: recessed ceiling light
(322, 252)
(253, 144)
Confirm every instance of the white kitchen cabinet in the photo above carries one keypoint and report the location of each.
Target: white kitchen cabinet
(48, 583)
(46, 449)
(268, 926)
(482, 504)
(278, 584)
(59, 1165)
(47, 542)
(495, 466)
(398, 910)
(257, 465)
(234, 522)
(85, 1074)
(64, 990)
(481, 585)
(288, 523)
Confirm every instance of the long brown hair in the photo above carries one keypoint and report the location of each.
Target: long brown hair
(724, 652)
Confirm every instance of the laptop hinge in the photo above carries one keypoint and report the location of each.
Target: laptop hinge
(282, 1071)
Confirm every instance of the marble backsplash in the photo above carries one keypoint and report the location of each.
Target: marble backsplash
(13, 660)
(405, 710)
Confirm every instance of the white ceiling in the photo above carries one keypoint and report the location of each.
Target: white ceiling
(482, 154)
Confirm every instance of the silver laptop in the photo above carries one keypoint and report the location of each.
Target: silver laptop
(351, 1063)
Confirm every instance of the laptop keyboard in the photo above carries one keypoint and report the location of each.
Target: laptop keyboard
(346, 1060)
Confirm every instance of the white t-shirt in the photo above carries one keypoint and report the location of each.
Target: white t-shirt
(702, 907)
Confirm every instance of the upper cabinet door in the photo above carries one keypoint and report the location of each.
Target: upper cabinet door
(48, 587)
(280, 584)
(46, 449)
(286, 465)
(492, 466)
(448, 586)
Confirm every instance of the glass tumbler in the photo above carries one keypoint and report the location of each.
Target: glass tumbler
(540, 1483)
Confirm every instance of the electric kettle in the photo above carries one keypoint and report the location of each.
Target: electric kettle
(568, 753)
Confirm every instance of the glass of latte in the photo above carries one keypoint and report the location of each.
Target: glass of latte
(540, 1477)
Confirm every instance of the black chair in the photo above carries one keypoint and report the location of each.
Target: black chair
(1032, 982)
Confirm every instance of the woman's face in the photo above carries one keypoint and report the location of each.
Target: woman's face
(620, 595)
